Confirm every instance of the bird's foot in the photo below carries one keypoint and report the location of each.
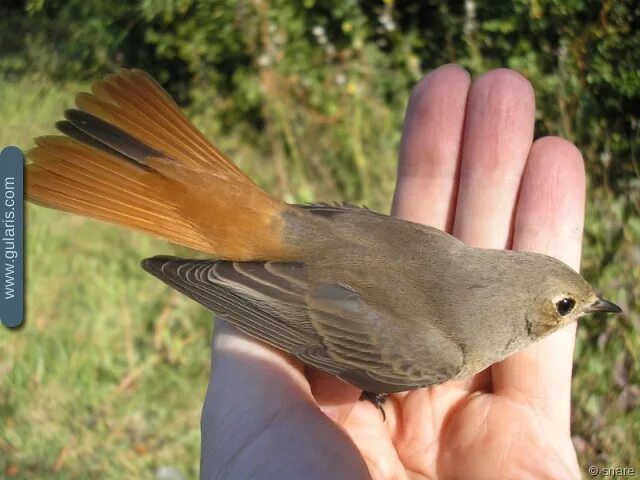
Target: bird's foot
(378, 400)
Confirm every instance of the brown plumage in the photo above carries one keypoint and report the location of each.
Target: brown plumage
(384, 304)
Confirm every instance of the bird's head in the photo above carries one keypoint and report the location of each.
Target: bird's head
(560, 297)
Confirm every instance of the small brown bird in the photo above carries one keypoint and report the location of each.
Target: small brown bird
(384, 304)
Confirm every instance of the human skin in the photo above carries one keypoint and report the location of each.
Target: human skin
(468, 165)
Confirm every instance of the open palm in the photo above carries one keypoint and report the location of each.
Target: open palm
(468, 166)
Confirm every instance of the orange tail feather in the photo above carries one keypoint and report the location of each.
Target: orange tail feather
(131, 157)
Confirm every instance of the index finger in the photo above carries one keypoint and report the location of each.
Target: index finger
(426, 187)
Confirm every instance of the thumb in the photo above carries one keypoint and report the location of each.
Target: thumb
(259, 413)
(334, 397)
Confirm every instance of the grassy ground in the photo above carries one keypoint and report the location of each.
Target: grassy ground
(106, 379)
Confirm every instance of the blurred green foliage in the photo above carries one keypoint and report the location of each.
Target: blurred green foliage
(308, 96)
(300, 67)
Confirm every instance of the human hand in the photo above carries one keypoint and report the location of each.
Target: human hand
(467, 166)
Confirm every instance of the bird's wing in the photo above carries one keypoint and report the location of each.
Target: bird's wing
(327, 326)
(384, 354)
(263, 299)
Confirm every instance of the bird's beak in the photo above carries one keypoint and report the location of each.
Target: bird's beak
(601, 305)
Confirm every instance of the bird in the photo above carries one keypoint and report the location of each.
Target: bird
(384, 304)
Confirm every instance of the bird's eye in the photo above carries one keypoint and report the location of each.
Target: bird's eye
(565, 306)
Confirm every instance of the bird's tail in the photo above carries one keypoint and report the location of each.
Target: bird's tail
(129, 156)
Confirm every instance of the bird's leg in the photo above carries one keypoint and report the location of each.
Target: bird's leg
(378, 400)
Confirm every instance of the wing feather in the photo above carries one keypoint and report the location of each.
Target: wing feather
(328, 326)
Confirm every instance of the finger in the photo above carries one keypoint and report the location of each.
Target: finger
(258, 413)
(248, 379)
(430, 148)
(334, 397)
(497, 138)
(426, 184)
(549, 220)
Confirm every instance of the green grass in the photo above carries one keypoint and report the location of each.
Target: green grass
(106, 380)
(107, 377)
(606, 395)
(108, 373)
